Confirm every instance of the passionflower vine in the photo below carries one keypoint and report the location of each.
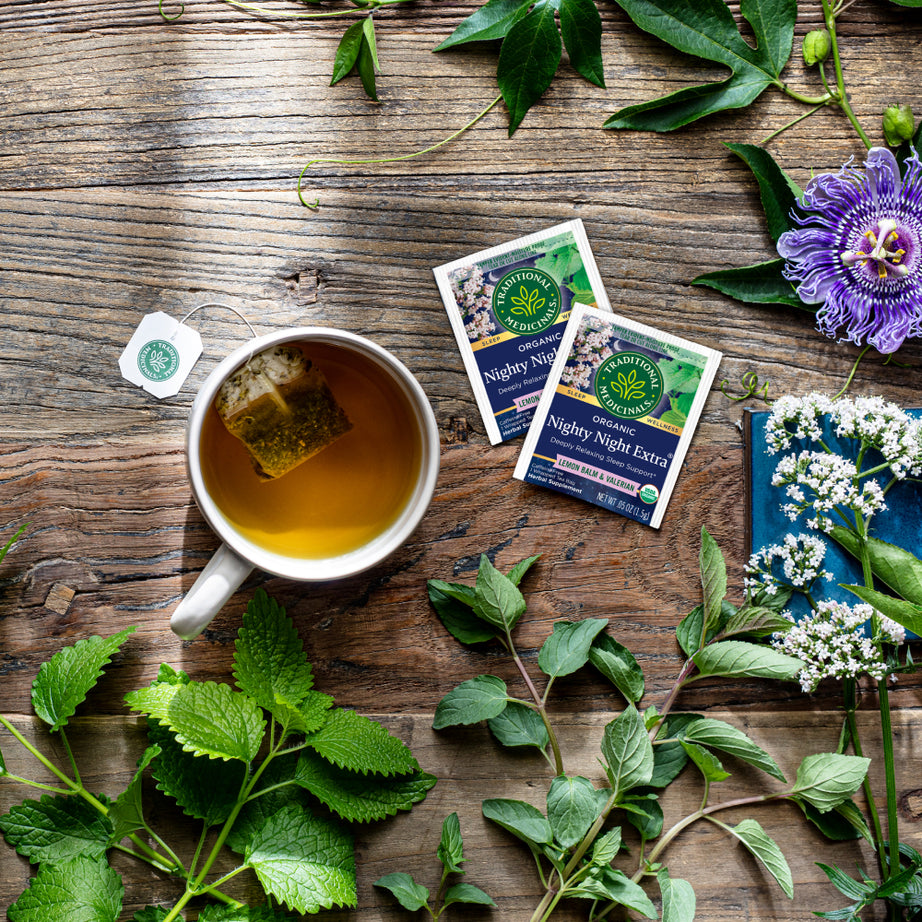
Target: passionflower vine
(857, 251)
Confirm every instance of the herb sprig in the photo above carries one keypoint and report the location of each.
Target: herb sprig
(275, 773)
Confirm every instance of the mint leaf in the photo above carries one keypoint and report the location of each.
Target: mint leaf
(606, 847)
(467, 893)
(627, 751)
(360, 744)
(828, 779)
(519, 725)
(746, 660)
(63, 682)
(269, 661)
(572, 807)
(644, 813)
(528, 60)
(206, 789)
(763, 283)
(411, 895)
(618, 665)
(610, 884)
(127, 813)
(54, 830)
(523, 820)
(757, 621)
(491, 21)
(453, 603)
(451, 846)
(360, 798)
(567, 648)
(581, 28)
(716, 734)
(518, 571)
(707, 30)
(497, 599)
(708, 764)
(713, 579)
(212, 719)
(678, 898)
(80, 890)
(763, 847)
(474, 700)
(347, 52)
(304, 862)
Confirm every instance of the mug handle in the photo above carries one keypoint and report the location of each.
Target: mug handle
(220, 579)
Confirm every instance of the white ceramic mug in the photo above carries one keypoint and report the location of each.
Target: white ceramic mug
(238, 556)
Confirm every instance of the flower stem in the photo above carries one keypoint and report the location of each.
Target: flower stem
(851, 374)
(541, 707)
(793, 122)
(830, 18)
(315, 204)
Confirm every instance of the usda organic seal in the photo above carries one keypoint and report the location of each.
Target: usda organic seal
(648, 494)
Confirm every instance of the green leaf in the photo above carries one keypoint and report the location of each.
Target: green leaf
(762, 283)
(528, 60)
(6, 547)
(738, 659)
(707, 29)
(365, 65)
(305, 862)
(606, 847)
(212, 719)
(567, 648)
(127, 813)
(716, 734)
(269, 661)
(497, 599)
(755, 621)
(518, 571)
(411, 895)
(894, 566)
(763, 847)
(453, 603)
(618, 665)
(360, 744)
(688, 632)
(154, 701)
(523, 820)
(611, 884)
(519, 725)
(581, 28)
(713, 579)
(778, 191)
(907, 614)
(155, 914)
(54, 830)
(81, 890)
(828, 779)
(63, 682)
(678, 898)
(572, 807)
(844, 823)
(708, 764)
(644, 813)
(368, 29)
(491, 21)
(467, 893)
(477, 699)
(627, 751)
(206, 789)
(669, 758)
(220, 913)
(360, 798)
(451, 845)
(348, 52)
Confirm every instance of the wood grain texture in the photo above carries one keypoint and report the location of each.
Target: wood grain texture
(148, 165)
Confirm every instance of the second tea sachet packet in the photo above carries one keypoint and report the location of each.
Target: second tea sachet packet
(617, 415)
(508, 307)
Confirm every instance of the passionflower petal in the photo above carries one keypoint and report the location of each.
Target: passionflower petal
(857, 251)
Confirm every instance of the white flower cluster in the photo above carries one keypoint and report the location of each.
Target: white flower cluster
(474, 298)
(796, 418)
(591, 346)
(801, 558)
(833, 644)
(833, 485)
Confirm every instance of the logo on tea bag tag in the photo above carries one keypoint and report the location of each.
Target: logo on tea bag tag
(160, 354)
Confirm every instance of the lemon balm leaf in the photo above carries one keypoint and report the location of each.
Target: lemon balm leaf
(81, 890)
(269, 660)
(360, 744)
(64, 681)
(303, 861)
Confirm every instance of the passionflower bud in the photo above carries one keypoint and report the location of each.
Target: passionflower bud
(899, 125)
(816, 46)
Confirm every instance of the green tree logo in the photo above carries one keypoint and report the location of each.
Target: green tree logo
(526, 301)
(158, 360)
(628, 385)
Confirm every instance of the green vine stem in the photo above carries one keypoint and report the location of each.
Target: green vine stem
(316, 203)
(829, 17)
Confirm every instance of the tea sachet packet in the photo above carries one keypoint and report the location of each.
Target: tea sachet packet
(617, 415)
(281, 408)
(508, 307)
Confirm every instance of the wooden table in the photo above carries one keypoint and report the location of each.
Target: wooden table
(149, 166)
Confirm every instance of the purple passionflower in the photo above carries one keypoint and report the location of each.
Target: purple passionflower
(858, 251)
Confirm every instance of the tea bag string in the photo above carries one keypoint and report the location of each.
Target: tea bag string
(226, 307)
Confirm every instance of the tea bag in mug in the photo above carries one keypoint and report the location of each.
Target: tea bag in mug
(281, 408)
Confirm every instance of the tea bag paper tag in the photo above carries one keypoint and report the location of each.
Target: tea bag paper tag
(160, 354)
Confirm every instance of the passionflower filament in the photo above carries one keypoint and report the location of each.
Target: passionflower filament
(857, 251)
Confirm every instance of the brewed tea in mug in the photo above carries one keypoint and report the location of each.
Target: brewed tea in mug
(342, 497)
